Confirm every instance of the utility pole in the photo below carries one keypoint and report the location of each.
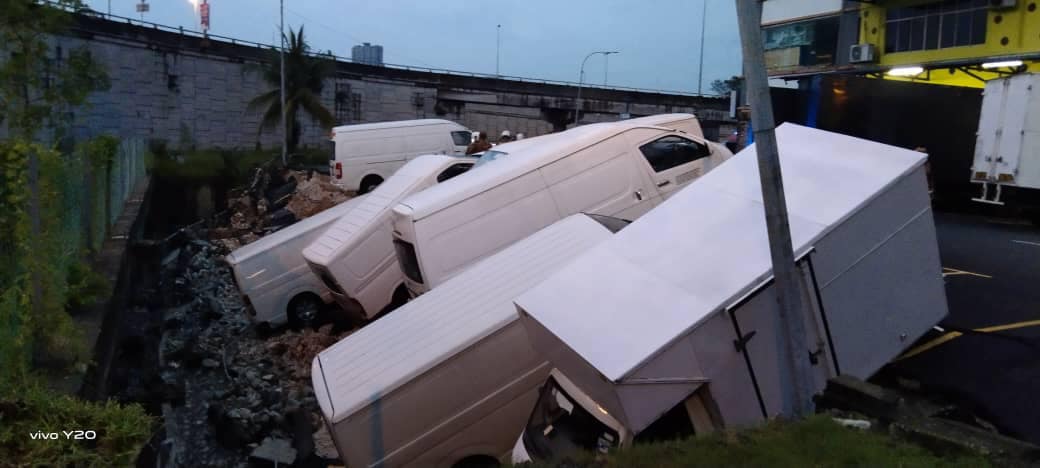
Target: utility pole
(606, 67)
(700, 57)
(581, 79)
(281, 55)
(498, 47)
(793, 351)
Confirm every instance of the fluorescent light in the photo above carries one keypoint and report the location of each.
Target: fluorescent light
(1009, 63)
(906, 71)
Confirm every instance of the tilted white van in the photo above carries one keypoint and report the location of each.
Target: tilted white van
(272, 275)
(355, 257)
(615, 169)
(450, 376)
(682, 122)
(365, 155)
(671, 326)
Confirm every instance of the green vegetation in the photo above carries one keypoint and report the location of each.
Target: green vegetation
(304, 78)
(28, 409)
(817, 442)
(234, 165)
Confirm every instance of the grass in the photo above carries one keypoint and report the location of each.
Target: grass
(233, 164)
(815, 442)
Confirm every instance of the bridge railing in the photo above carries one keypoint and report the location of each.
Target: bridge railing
(188, 32)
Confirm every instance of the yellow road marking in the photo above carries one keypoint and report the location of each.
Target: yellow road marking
(952, 335)
(955, 272)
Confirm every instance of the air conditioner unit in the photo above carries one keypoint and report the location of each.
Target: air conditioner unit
(1003, 4)
(862, 53)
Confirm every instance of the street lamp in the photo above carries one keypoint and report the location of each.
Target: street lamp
(581, 78)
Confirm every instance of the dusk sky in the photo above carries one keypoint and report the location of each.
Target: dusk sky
(658, 40)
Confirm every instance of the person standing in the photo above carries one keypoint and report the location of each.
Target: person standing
(480, 145)
(505, 137)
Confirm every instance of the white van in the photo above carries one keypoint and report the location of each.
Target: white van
(365, 155)
(671, 327)
(682, 122)
(355, 257)
(450, 376)
(614, 169)
(273, 277)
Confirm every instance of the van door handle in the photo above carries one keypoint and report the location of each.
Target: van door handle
(662, 184)
(639, 195)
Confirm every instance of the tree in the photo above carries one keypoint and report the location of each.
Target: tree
(723, 87)
(304, 78)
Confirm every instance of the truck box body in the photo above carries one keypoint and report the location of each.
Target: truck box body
(271, 272)
(450, 374)
(1007, 149)
(612, 169)
(355, 256)
(682, 300)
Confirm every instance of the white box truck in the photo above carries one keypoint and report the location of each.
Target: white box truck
(670, 327)
(1007, 147)
(355, 259)
(365, 155)
(616, 169)
(273, 277)
(450, 377)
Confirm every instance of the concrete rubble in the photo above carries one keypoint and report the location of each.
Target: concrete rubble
(230, 393)
(274, 199)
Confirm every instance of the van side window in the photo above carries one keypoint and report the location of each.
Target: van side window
(461, 138)
(670, 151)
(453, 171)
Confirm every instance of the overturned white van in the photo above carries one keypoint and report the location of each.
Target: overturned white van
(355, 256)
(671, 323)
(450, 376)
(614, 169)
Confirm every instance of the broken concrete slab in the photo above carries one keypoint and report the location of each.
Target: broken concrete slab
(276, 452)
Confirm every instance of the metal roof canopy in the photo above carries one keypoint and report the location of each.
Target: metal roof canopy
(640, 321)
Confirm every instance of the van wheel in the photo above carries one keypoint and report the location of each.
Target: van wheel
(369, 183)
(477, 461)
(304, 311)
(399, 299)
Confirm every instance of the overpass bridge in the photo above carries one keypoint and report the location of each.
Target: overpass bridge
(192, 89)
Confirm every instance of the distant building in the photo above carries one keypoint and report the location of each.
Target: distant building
(368, 54)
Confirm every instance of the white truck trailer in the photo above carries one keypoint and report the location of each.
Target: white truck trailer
(1007, 148)
(671, 324)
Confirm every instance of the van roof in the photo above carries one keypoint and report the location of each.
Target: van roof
(394, 124)
(675, 273)
(386, 354)
(341, 234)
(669, 121)
(299, 228)
(525, 156)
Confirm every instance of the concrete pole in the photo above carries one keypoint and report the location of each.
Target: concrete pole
(700, 57)
(793, 351)
(281, 55)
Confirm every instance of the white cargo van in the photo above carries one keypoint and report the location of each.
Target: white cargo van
(355, 256)
(615, 169)
(365, 155)
(272, 275)
(450, 376)
(682, 122)
(670, 327)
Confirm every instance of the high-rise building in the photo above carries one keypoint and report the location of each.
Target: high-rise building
(368, 54)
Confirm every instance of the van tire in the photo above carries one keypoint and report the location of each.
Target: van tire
(477, 461)
(369, 183)
(304, 311)
(399, 299)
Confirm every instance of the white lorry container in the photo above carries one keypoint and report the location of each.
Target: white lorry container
(272, 275)
(1007, 148)
(365, 155)
(615, 169)
(671, 323)
(450, 376)
(355, 256)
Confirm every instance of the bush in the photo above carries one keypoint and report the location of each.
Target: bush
(121, 430)
(86, 287)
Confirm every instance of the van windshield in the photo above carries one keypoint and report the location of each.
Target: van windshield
(559, 426)
(489, 155)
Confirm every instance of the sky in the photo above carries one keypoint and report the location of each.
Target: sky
(658, 40)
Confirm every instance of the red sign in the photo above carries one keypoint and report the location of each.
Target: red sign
(204, 14)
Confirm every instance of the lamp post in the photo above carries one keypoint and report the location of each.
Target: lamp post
(281, 55)
(498, 47)
(581, 78)
(700, 57)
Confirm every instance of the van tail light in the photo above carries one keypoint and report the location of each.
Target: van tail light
(339, 170)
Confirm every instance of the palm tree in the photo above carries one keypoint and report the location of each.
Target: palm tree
(304, 77)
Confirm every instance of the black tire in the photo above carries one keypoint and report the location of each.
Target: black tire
(477, 461)
(304, 311)
(369, 183)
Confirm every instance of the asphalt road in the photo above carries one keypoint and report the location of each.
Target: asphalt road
(992, 273)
